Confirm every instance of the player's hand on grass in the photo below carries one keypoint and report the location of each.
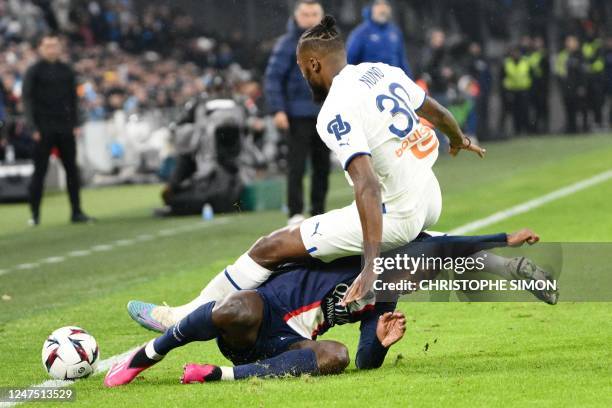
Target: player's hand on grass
(468, 145)
(360, 287)
(391, 328)
(518, 238)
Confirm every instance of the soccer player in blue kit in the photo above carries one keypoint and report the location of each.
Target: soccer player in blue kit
(272, 331)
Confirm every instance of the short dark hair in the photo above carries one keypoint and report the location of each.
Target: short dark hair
(45, 36)
(325, 36)
(298, 3)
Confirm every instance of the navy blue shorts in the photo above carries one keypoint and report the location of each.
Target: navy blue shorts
(274, 338)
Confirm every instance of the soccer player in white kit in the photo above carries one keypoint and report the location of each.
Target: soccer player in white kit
(369, 120)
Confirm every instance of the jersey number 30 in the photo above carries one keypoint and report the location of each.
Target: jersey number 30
(397, 104)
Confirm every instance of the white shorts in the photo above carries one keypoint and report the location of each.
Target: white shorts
(338, 233)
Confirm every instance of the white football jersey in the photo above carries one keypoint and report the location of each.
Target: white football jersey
(371, 110)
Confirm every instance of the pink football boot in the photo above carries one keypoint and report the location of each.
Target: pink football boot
(121, 373)
(196, 373)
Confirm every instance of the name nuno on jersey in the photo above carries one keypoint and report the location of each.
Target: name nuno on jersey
(372, 76)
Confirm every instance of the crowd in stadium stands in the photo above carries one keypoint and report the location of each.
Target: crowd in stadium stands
(458, 75)
(463, 79)
(124, 62)
(132, 61)
(583, 69)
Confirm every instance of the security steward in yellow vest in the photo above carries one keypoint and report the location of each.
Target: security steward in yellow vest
(516, 83)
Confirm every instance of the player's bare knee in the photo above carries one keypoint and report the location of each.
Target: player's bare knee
(238, 310)
(332, 359)
(267, 251)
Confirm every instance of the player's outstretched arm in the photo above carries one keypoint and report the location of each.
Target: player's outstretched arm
(444, 120)
(369, 204)
(379, 331)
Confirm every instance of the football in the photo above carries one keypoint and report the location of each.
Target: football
(70, 353)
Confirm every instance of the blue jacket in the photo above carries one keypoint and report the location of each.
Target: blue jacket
(284, 86)
(374, 42)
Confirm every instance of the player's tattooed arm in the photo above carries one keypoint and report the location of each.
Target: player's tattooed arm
(445, 121)
(369, 205)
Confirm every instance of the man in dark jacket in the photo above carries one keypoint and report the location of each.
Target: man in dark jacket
(540, 89)
(290, 99)
(608, 70)
(594, 63)
(569, 68)
(51, 110)
(377, 39)
(479, 68)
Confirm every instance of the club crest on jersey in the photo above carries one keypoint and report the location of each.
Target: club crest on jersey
(339, 128)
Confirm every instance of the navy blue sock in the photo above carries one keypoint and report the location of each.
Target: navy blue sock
(292, 362)
(196, 326)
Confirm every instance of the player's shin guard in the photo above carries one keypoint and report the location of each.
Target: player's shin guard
(293, 362)
(197, 326)
(245, 273)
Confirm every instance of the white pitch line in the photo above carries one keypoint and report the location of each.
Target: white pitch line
(124, 242)
(145, 237)
(53, 259)
(103, 367)
(531, 204)
(102, 248)
(84, 252)
(25, 266)
(113, 245)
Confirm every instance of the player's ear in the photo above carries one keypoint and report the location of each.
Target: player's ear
(315, 65)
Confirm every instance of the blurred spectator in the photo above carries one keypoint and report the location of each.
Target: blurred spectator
(479, 68)
(569, 70)
(592, 52)
(377, 39)
(3, 140)
(435, 64)
(11, 132)
(538, 98)
(517, 82)
(290, 99)
(51, 109)
(608, 59)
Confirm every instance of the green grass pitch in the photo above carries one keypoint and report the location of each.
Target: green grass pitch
(478, 354)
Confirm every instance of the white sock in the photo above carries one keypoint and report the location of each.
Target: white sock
(245, 273)
(227, 373)
(151, 353)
